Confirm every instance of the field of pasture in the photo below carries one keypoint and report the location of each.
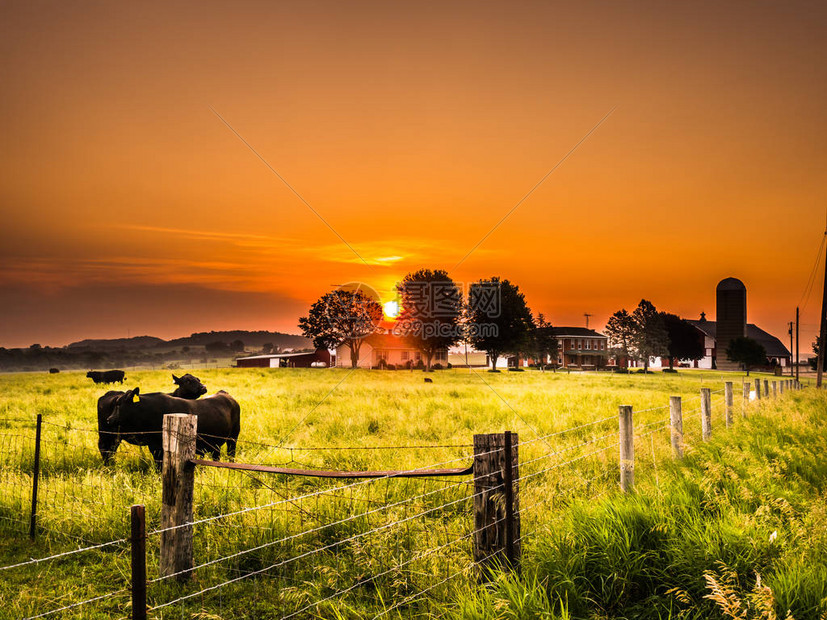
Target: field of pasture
(276, 546)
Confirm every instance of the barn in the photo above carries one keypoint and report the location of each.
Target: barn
(304, 359)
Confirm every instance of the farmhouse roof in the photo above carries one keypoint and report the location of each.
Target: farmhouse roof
(577, 332)
(773, 346)
(388, 341)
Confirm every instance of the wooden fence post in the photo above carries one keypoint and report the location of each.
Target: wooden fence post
(35, 477)
(729, 402)
(676, 420)
(706, 413)
(782, 385)
(766, 388)
(758, 389)
(178, 478)
(138, 541)
(496, 519)
(775, 389)
(508, 481)
(627, 449)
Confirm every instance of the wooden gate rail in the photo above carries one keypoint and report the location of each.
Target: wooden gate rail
(317, 473)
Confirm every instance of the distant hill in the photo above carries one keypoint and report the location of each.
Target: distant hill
(138, 342)
(250, 339)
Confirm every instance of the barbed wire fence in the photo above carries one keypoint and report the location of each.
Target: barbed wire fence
(310, 544)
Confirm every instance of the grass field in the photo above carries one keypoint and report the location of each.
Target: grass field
(324, 549)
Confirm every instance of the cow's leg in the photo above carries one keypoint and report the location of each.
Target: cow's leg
(231, 441)
(157, 456)
(216, 453)
(107, 448)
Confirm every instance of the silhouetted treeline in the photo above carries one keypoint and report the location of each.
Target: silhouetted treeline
(63, 358)
(203, 347)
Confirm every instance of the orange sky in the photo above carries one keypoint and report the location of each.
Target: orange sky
(128, 207)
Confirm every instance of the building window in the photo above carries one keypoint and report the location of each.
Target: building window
(406, 355)
(602, 345)
(418, 356)
(382, 355)
(588, 345)
(579, 344)
(441, 356)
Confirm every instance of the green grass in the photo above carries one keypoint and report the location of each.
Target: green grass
(604, 557)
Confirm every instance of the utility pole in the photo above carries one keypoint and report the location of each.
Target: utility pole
(797, 358)
(791, 348)
(822, 320)
(587, 315)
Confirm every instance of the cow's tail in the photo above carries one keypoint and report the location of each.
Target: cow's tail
(235, 429)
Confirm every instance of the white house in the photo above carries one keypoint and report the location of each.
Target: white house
(386, 349)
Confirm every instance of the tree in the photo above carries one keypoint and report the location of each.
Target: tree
(217, 348)
(684, 340)
(746, 351)
(267, 348)
(816, 346)
(499, 318)
(342, 318)
(542, 343)
(620, 331)
(237, 346)
(650, 338)
(431, 311)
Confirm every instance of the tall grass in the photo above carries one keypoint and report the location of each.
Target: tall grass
(297, 417)
(738, 529)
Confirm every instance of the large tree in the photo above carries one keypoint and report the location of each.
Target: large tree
(685, 343)
(431, 311)
(650, 338)
(542, 343)
(499, 318)
(342, 317)
(620, 331)
(747, 352)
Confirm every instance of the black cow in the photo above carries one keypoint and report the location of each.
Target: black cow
(139, 417)
(106, 376)
(54, 371)
(189, 387)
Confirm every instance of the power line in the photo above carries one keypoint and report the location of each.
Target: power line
(808, 288)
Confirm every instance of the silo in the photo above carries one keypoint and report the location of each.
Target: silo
(731, 318)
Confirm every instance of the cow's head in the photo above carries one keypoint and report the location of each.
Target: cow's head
(89, 374)
(123, 406)
(189, 386)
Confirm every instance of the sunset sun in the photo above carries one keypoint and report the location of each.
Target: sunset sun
(391, 309)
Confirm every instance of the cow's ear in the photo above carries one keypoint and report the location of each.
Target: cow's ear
(135, 395)
(175, 379)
